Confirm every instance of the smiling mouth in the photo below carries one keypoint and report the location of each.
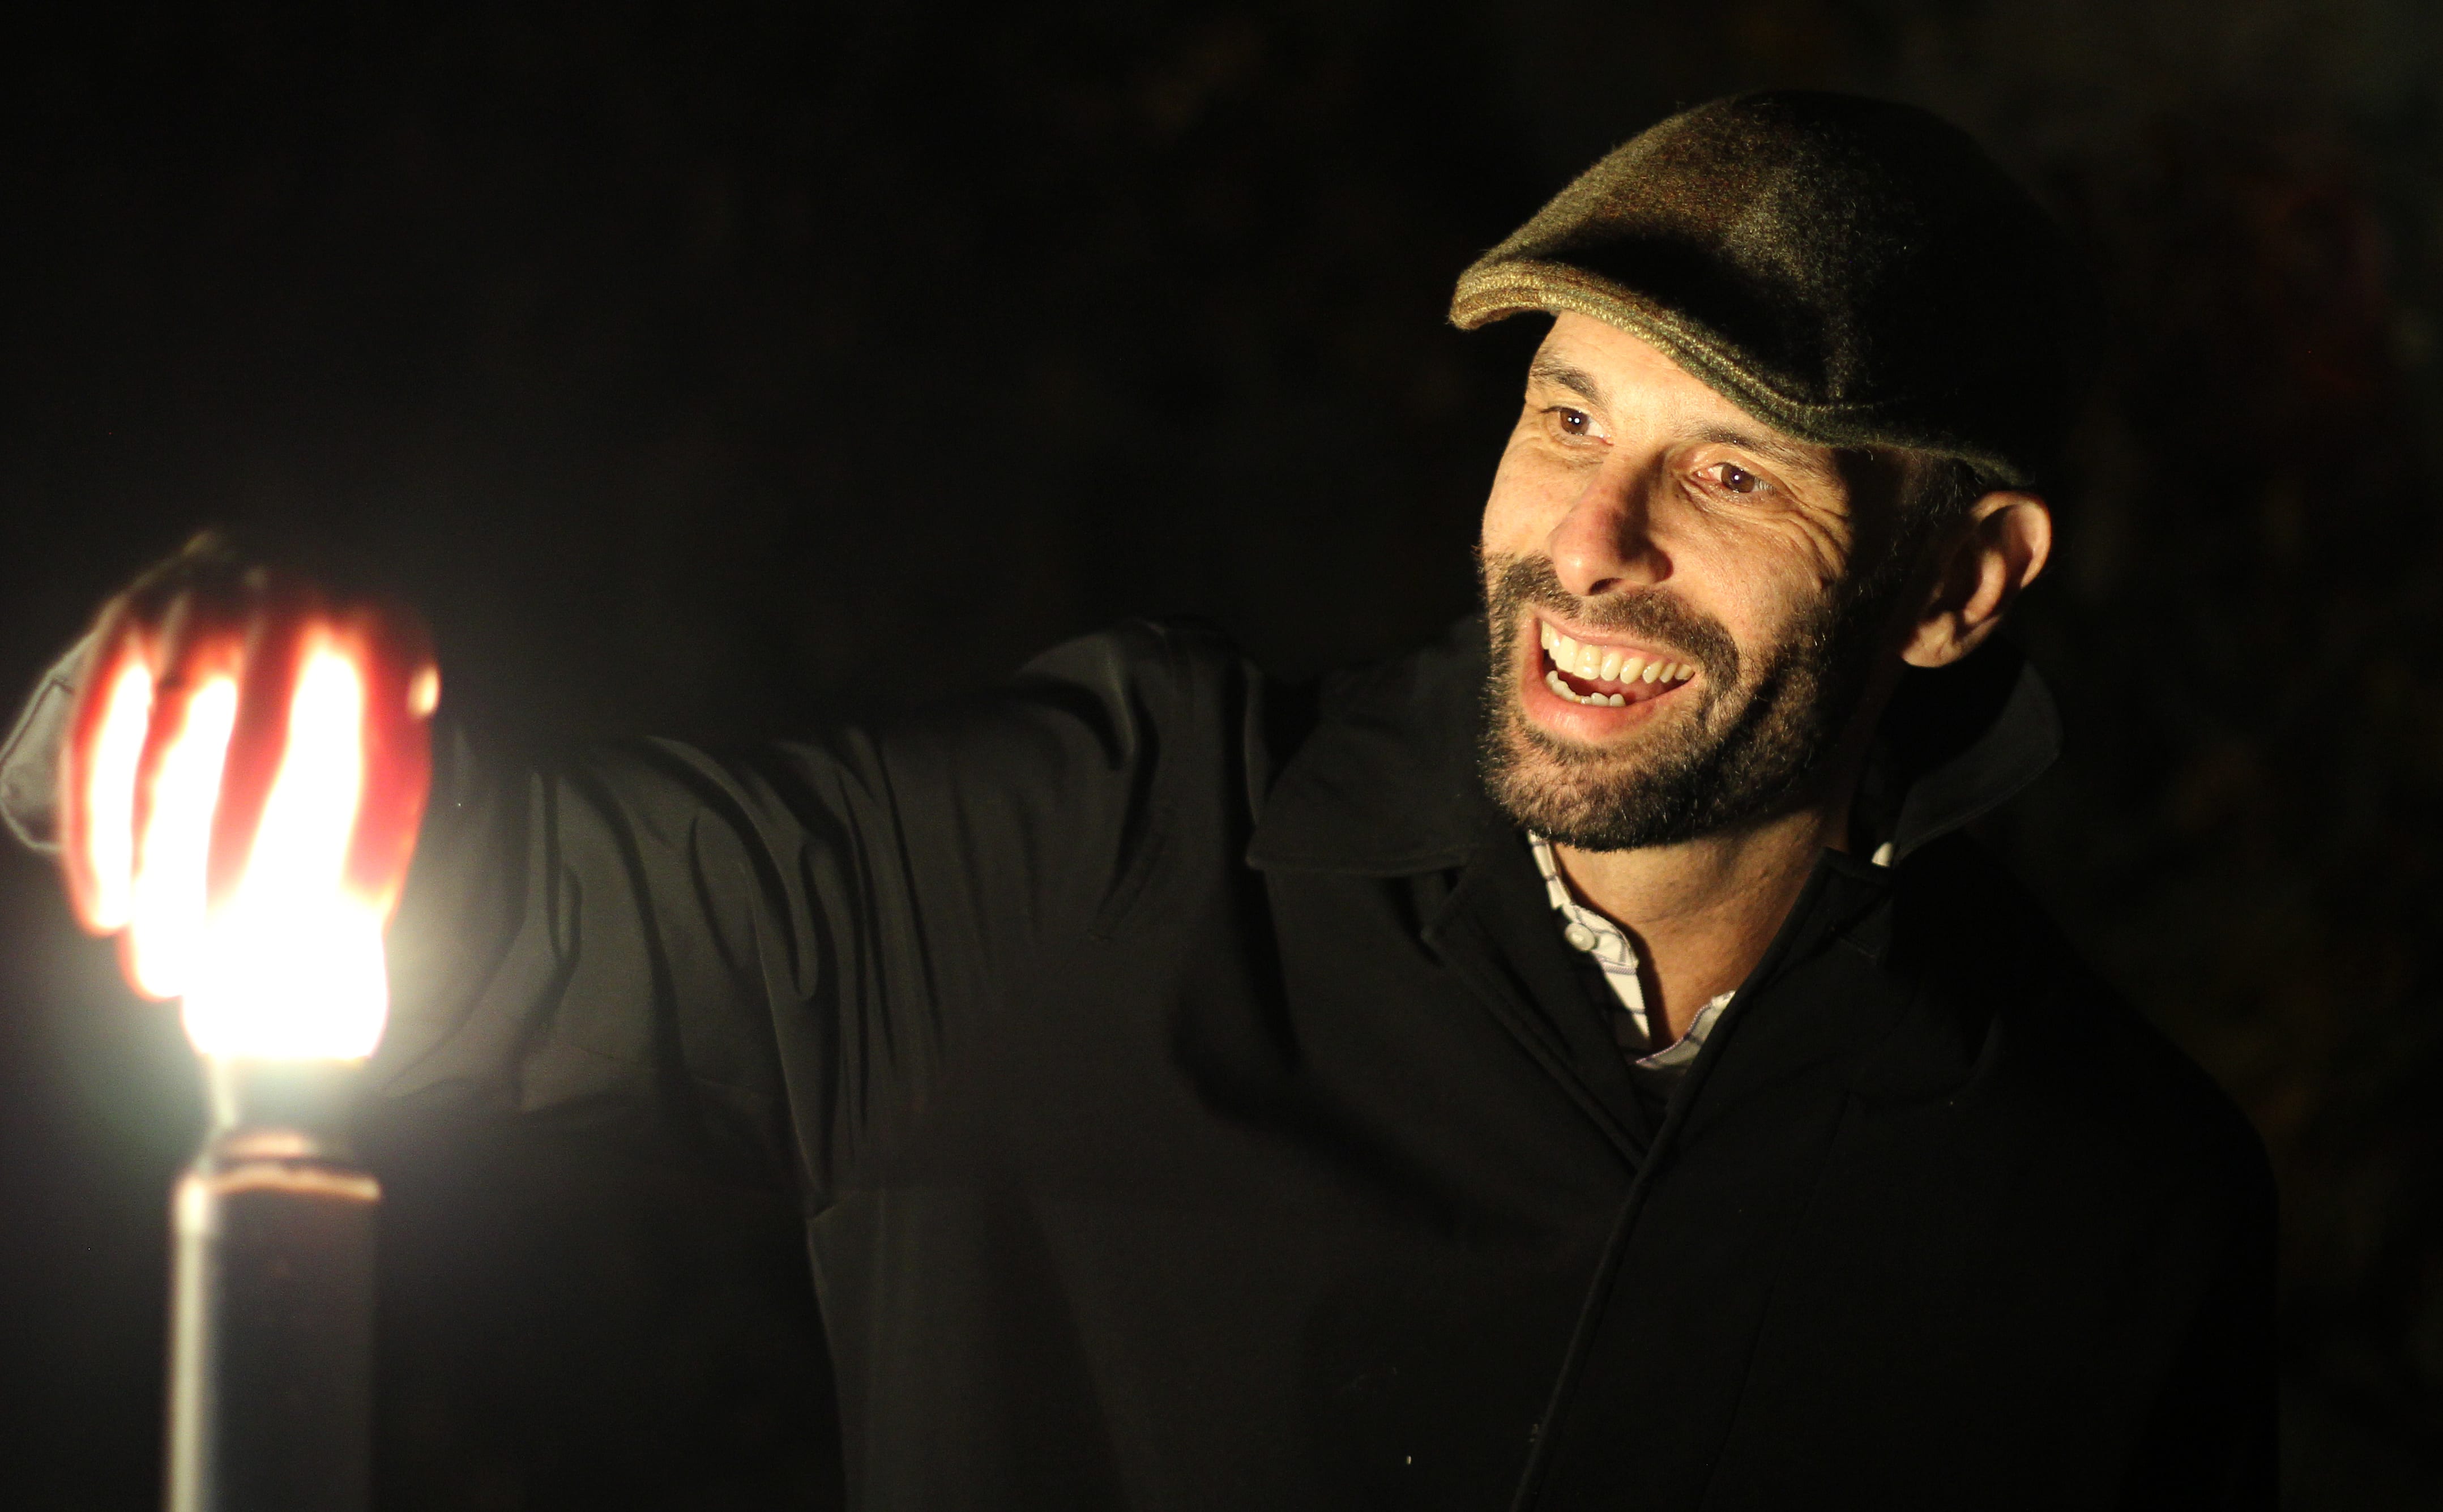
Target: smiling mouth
(1606, 676)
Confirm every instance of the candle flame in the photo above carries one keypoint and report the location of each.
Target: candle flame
(261, 904)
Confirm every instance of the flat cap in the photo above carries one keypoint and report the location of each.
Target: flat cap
(1855, 272)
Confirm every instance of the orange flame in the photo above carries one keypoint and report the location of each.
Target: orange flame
(239, 804)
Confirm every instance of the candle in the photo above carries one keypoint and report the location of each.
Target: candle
(246, 768)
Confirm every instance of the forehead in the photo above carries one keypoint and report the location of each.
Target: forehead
(1632, 382)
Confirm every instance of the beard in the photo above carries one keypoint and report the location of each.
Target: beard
(1750, 749)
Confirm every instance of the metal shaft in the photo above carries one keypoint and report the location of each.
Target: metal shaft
(271, 1310)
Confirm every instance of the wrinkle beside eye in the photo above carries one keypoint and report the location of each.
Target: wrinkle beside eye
(1828, 542)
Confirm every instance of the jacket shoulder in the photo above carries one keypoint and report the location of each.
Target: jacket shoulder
(1148, 654)
(1174, 694)
(2052, 1037)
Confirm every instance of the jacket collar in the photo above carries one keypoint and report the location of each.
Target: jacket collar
(1386, 785)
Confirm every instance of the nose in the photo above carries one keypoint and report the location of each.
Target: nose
(1605, 542)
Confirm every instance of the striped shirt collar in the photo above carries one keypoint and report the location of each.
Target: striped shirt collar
(1608, 946)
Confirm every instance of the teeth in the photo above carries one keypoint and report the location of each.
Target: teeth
(1600, 664)
(1553, 680)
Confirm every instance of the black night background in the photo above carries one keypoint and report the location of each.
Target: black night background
(707, 369)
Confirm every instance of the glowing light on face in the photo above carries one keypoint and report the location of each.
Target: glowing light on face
(280, 957)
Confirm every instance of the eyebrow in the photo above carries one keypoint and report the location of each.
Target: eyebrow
(1549, 369)
(1789, 453)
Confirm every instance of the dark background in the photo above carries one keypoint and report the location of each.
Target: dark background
(704, 369)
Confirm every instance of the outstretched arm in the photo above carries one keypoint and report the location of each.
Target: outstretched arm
(763, 956)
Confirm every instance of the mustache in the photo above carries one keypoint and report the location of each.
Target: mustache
(1514, 584)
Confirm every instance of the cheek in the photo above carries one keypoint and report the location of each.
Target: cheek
(1759, 585)
(1785, 559)
(1519, 511)
(1765, 613)
(1814, 548)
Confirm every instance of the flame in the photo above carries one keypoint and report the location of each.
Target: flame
(278, 956)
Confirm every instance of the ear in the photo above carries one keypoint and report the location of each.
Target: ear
(1987, 560)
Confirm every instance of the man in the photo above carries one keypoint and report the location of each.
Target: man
(1582, 1065)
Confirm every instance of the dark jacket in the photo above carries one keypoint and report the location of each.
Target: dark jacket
(1194, 1105)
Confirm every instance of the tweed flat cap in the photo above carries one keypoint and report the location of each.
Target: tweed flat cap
(1855, 272)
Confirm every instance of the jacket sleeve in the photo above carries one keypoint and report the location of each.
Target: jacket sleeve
(30, 781)
(761, 955)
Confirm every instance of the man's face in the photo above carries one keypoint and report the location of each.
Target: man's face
(1676, 641)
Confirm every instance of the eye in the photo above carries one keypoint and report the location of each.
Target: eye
(1732, 478)
(1571, 427)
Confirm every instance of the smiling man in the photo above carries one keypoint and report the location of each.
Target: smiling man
(1582, 1065)
(1697, 619)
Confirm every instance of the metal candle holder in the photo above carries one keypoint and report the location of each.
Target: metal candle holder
(271, 1302)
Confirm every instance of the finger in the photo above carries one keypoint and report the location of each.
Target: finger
(283, 623)
(198, 672)
(97, 797)
(329, 758)
(402, 687)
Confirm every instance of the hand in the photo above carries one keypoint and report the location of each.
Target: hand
(240, 732)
